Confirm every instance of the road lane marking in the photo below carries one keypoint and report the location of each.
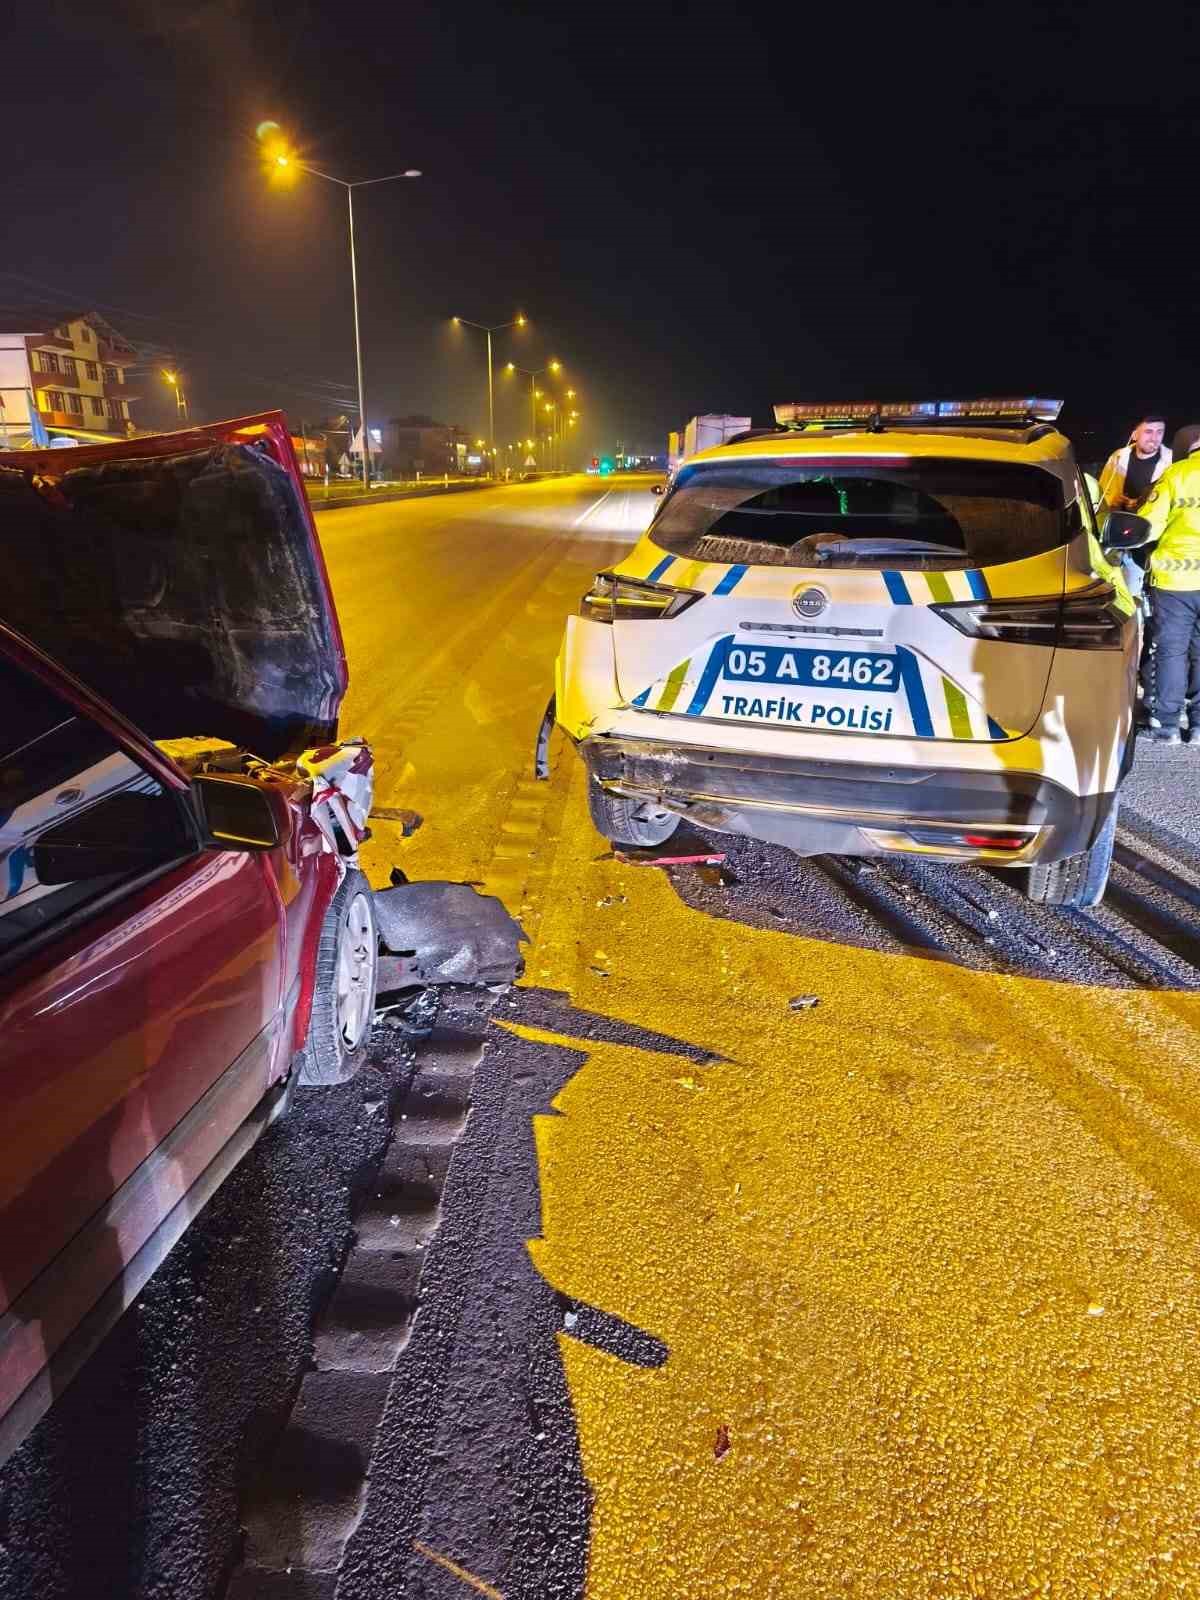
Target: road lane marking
(594, 507)
(456, 1571)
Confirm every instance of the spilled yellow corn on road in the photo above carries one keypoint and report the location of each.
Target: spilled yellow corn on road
(921, 1256)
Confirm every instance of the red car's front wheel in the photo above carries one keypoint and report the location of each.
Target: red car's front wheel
(344, 994)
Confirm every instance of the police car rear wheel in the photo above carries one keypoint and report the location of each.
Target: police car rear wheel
(629, 822)
(1078, 881)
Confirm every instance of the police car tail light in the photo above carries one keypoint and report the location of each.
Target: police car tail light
(615, 599)
(1085, 620)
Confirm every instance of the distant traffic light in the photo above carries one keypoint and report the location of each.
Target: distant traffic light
(595, 461)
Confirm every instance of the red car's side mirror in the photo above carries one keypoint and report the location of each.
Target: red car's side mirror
(239, 814)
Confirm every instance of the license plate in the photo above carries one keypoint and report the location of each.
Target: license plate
(863, 670)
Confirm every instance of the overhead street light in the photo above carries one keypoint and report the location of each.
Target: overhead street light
(175, 379)
(535, 394)
(282, 159)
(519, 321)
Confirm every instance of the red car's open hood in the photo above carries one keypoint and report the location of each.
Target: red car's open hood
(179, 575)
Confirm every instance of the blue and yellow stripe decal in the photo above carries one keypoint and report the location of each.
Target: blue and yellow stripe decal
(653, 564)
(935, 588)
(901, 588)
(695, 574)
(914, 689)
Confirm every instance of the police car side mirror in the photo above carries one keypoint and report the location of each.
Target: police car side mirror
(1124, 530)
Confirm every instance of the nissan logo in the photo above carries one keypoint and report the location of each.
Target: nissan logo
(809, 602)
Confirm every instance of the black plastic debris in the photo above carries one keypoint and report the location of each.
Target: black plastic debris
(437, 933)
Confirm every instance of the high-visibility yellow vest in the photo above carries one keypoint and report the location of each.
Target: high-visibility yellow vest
(1173, 510)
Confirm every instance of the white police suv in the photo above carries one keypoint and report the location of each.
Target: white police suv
(873, 629)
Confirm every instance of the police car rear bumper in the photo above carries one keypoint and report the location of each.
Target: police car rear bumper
(852, 808)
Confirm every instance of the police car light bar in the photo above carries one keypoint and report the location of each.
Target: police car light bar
(992, 410)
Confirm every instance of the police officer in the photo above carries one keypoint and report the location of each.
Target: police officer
(1173, 512)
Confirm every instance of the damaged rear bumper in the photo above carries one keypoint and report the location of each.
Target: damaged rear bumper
(852, 808)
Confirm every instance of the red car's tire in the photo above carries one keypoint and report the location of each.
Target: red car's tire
(344, 990)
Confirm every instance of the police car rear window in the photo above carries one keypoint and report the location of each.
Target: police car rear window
(926, 514)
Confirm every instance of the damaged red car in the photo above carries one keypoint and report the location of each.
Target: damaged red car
(184, 931)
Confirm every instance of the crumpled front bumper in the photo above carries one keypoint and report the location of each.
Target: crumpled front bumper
(816, 806)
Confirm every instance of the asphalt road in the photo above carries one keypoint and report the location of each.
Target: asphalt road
(892, 1291)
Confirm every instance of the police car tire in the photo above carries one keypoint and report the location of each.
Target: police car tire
(617, 819)
(328, 1057)
(1078, 881)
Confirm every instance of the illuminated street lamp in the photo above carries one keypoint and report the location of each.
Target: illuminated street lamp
(535, 394)
(518, 321)
(283, 161)
(175, 379)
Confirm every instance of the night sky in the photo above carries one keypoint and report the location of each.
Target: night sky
(699, 210)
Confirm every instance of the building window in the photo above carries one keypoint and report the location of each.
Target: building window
(111, 375)
(114, 409)
(85, 334)
(75, 404)
(63, 330)
(93, 371)
(69, 369)
(47, 361)
(97, 406)
(55, 401)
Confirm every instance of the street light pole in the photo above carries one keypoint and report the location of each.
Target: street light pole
(175, 379)
(362, 404)
(554, 366)
(491, 405)
(552, 436)
(282, 160)
(484, 328)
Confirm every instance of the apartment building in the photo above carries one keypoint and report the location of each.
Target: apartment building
(76, 367)
(418, 444)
